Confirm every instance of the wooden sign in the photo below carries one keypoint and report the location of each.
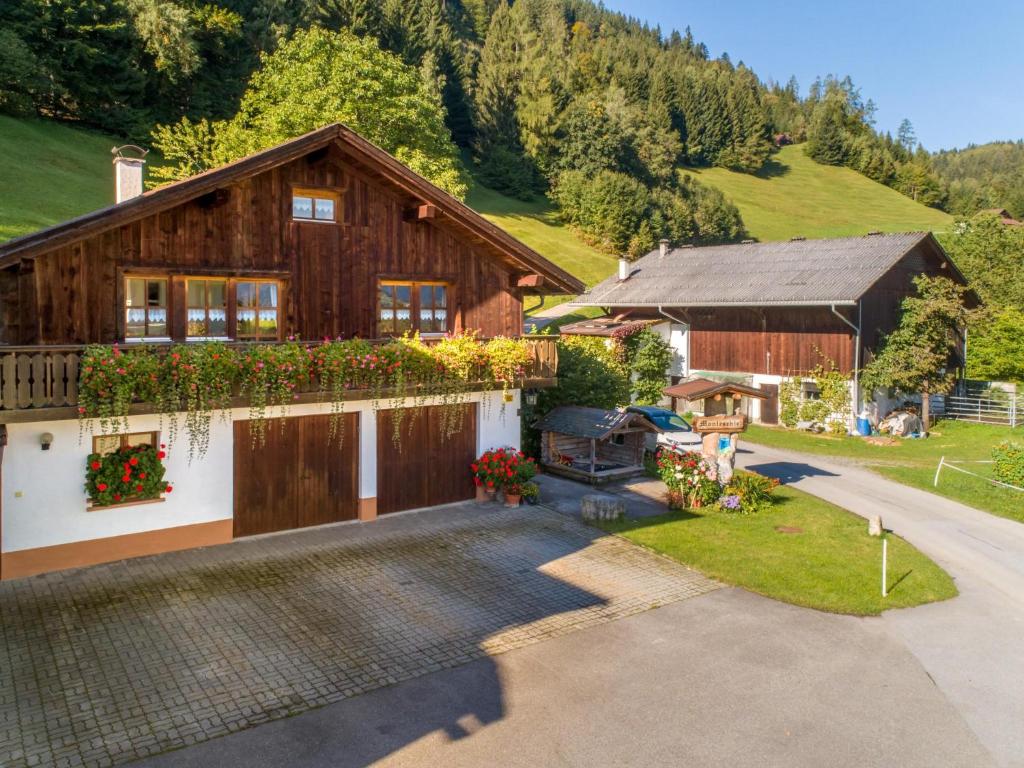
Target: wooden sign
(721, 424)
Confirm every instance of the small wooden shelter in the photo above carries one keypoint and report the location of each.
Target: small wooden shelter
(593, 444)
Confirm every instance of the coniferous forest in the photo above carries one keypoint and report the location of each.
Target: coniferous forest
(600, 112)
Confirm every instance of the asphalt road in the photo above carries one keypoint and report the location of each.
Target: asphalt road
(725, 679)
(973, 646)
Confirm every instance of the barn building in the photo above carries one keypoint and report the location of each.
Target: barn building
(758, 313)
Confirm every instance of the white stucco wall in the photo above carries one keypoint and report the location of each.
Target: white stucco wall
(677, 336)
(44, 501)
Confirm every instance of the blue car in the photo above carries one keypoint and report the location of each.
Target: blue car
(676, 431)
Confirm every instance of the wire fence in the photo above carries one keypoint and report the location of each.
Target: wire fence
(943, 463)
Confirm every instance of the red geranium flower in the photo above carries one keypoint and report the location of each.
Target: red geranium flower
(133, 461)
(138, 487)
(95, 465)
(161, 455)
(168, 489)
(126, 479)
(101, 486)
(117, 497)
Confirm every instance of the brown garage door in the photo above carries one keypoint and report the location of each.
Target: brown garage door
(296, 479)
(422, 469)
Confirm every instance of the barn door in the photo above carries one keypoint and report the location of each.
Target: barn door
(421, 469)
(770, 406)
(296, 479)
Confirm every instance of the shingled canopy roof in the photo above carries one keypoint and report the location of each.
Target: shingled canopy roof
(364, 155)
(699, 389)
(791, 273)
(591, 423)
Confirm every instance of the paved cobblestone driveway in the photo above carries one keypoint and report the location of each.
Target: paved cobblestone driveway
(108, 664)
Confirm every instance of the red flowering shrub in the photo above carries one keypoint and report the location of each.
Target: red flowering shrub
(124, 475)
(503, 468)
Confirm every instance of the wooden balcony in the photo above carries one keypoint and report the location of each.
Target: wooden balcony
(41, 382)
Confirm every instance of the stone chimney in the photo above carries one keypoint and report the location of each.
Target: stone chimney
(623, 268)
(663, 248)
(128, 172)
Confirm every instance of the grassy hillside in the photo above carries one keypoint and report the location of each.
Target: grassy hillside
(537, 225)
(793, 195)
(50, 172)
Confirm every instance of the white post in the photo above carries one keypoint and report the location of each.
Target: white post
(938, 469)
(885, 554)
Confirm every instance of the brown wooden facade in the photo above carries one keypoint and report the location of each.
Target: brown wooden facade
(783, 341)
(66, 285)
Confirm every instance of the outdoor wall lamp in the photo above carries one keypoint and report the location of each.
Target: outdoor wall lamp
(531, 396)
(46, 440)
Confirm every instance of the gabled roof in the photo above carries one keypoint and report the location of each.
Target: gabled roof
(790, 273)
(595, 423)
(699, 389)
(362, 153)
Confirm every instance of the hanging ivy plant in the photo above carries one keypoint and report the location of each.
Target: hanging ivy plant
(201, 379)
(271, 375)
(110, 380)
(462, 359)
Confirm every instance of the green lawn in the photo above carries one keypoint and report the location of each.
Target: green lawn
(795, 196)
(831, 564)
(913, 462)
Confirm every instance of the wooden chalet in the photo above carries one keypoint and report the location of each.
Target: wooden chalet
(593, 444)
(325, 235)
(757, 313)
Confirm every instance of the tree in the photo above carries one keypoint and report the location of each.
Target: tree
(995, 348)
(915, 357)
(649, 357)
(319, 77)
(991, 255)
(906, 136)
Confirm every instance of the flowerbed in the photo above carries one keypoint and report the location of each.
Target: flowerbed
(200, 378)
(126, 475)
(693, 483)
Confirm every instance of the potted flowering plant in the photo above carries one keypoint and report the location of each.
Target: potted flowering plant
(127, 475)
(692, 480)
(488, 474)
(519, 471)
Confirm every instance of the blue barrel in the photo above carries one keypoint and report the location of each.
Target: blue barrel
(863, 427)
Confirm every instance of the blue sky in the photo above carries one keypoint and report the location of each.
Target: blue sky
(954, 68)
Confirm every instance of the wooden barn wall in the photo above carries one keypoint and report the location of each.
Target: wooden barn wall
(772, 341)
(880, 306)
(329, 271)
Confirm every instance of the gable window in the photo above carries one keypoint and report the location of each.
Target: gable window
(256, 309)
(207, 310)
(315, 205)
(412, 306)
(145, 301)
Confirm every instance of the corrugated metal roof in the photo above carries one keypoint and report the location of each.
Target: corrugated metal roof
(788, 273)
(589, 422)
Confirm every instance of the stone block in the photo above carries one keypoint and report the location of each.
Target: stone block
(601, 506)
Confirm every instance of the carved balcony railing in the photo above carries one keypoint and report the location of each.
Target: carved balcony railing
(46, 377)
